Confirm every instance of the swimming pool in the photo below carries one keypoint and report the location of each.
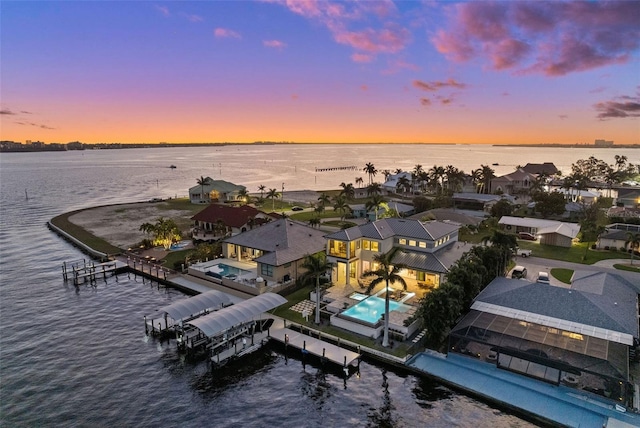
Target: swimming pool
(226, 271)
(179, 245)
(358, 296)
(371, 309)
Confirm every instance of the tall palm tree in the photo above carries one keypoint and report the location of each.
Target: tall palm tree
(386, 173)
(202, 181)
(359, 181)
(436, 175)
(374, 189)
(387, 273)
(261, 189)
(340, 205)
(633, 242)
(486, 175)
(324, 199)
(314, 221)
(348, 191)
(374, 204)
(403, 184)
(316, 266)
(273, 194)
(370, 170)
(165, 232)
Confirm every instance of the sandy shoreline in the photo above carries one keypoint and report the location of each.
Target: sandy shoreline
(119, 224)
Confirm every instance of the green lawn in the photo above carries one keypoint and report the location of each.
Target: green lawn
(562, 274)
(577, 253)
(84, 236)
(627, 268)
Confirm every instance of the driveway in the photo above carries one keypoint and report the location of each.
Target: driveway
(537, 264)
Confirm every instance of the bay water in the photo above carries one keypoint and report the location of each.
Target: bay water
(80, 357)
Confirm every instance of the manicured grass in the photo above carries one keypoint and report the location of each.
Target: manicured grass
(338, 223)
(308, 215)
(562, 274)
(578, 253)
(174, 257)
(84, 236)
(627, 268)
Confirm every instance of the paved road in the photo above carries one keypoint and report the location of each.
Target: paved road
(537, 264)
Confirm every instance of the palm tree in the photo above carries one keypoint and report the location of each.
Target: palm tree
(348, 191)
(388, 274)
(273, 194)
(436, 175)
(323, 200)
(403, 184)
(387, 174)
(201, 182)
(243, 195)
(316, 266)
(374, 189)
(633, 242)
(486, 175)
(165, 232)
(261, 189)
(374, 204)
(340, 205)
(370, 170)
(359, 181)
(314, 221)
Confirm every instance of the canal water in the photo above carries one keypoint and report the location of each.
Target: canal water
(80, 357)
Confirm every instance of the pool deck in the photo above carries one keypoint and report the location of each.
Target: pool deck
(556, 404)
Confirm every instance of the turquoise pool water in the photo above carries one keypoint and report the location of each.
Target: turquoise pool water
(226, 271)
(371, 309)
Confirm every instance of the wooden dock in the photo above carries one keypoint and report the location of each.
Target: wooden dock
(82, 271)
(312, 345)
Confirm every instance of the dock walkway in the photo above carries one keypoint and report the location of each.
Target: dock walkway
(312, 345)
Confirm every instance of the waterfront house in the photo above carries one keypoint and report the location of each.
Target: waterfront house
(277, 248)
(550, 232)
(428, 250)
(215, 190)
(361, 211)
(516, 183)
(583, 337)
(217, 221)
(546, 168)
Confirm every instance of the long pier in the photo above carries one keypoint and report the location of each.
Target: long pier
(82, 271)
(338, 168)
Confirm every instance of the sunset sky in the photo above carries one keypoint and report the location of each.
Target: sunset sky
(310, 71)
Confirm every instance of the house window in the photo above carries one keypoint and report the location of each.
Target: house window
(370, 245)
(422, 244)
(412, 243)
(366, 245)
(266, 270)
(337, 248)
(402, 241)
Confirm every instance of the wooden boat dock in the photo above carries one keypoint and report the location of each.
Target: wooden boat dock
(313, 345)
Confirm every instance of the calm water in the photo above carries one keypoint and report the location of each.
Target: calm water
(79, 357)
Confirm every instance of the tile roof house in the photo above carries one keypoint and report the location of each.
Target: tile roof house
(360, 210)
(547, 168)
(278, 248)
(583, 337)
(215, 190)
(219, 220)
(428, 249)
(517, 182)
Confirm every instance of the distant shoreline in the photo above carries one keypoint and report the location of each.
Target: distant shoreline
(16, 147)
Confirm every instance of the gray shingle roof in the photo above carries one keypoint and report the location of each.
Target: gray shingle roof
(597, 310)
(283, 240)
(386, 228)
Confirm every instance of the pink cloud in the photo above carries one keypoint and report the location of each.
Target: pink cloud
(225, 33)
(550, 38)
(619, 107)
(192, 18)
(362, 57)
(364, 88)
(382, 35)
(437, 85)
(425, 101)
(276, 44)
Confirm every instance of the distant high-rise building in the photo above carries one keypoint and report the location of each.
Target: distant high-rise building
(603, 143)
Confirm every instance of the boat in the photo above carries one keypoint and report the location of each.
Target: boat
(495, 164)
(173, 167)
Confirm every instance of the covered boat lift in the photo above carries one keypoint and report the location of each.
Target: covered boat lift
(218, 331)
(176, 314)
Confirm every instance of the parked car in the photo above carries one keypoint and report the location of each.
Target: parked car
(527, 236)
(519, 272)
(543, 278)
(296, 208)
(523, 253)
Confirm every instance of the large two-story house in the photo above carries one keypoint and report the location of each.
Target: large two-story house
(428, 249)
